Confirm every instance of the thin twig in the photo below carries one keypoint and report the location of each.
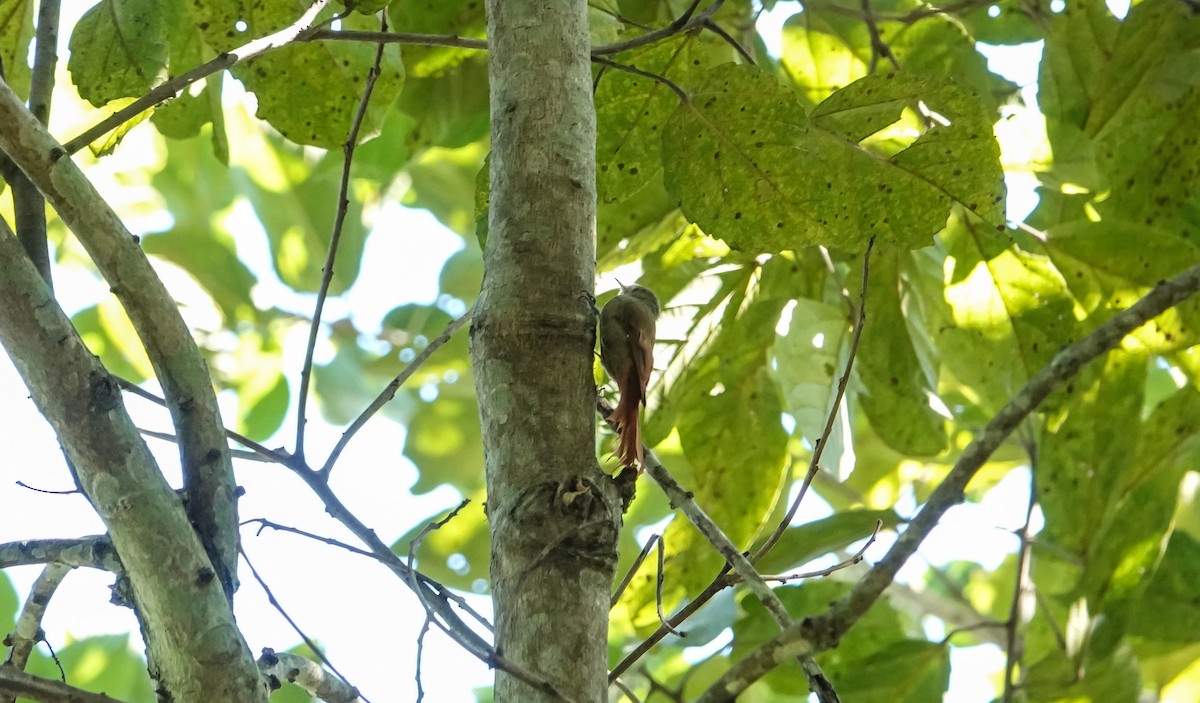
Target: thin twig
(28, 487)
(626, 691)
(335, 239)
(878, 46)
(235, 453)
(169, 89)
(1013, 650)
(717, 585)
(18, 683)
(819, 447)
(742, 51)
(684, 501)
(276, 456)
(385, 37)
(421, 654)
(263, 524)
(855, 558)
(385, 396)
(637, 562)
(683, 96)
(309, 642)
(658, 591)
(680, 25)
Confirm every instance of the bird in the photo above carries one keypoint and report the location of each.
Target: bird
(627, 330)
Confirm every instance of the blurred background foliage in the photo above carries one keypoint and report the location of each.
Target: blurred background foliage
(747, 210)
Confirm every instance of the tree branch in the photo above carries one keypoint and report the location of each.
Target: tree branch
(814, 464)
(187, 385)
(182, 608)
(308, 675)
(683, 501)
(385, 396)
(27, 631)
(169, 89)
(95, 552)
(28, 206)
(826, 630)
(18, 683)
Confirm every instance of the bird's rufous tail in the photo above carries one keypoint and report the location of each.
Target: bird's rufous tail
(629, 431)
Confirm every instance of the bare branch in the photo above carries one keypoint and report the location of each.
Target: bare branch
(814, 464)
(335, 238)
(824, 631)
(18, 683)
(683, 96)
(28, 206)
(269, 455)
(410, 38)
(684, 501)
(385, 396)
(178, 364)
(633, 568)
(1014, 649)
(308, 675)
(95, 552)
(27, 631)
(855, 558)
(264, 524)
(682, 24)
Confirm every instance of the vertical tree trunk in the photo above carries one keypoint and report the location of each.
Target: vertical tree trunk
(554, 516)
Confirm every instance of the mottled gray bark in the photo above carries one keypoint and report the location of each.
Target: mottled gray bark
(195, 650)
(554, 515)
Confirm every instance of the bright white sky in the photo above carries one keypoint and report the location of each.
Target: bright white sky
(367, 621)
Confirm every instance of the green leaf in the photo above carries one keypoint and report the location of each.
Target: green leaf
(1111, 263)
(746, 164)
(1001, 321)
(211, 258)
(807, 359)
(8, 603)
(1004, 22)
(262, 390)
(1085, 452)
(118, 50)
(109, 334)
(296, 202)
(631, 110)
(825, 50)
(308, 91)
(183, 117)
(16, 35)
(444, 182)
(1167, 615)
(1129, 87)
(444, 441)
(1130, 540)
(896, 394)
(449, 109)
